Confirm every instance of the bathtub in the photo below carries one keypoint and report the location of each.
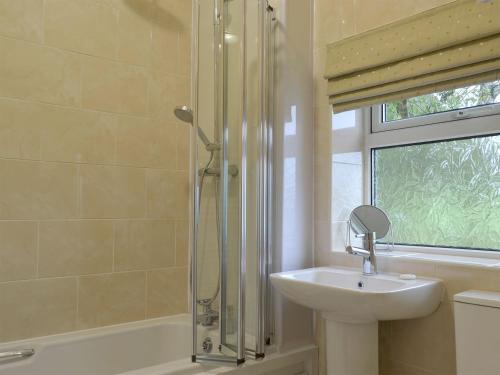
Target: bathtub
(152, 347)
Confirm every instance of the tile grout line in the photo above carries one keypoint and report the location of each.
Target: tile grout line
(175, 241)
(98, 164)
(113, 266)
(142, 270)
(37, 256)
(146, 284)
(77, 301)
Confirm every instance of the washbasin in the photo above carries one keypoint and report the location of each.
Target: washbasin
(352, 305)
(346, 295)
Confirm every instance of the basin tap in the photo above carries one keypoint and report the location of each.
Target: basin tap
(368, 253)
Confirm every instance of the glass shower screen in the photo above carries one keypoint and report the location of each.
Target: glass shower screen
(232, 105)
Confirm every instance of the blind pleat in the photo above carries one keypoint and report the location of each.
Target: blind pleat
(456, 44)
(421, 90)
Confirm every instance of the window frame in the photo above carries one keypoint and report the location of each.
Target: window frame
(378, 124)
(435, 129)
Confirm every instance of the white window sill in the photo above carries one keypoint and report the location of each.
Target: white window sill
(468, 258)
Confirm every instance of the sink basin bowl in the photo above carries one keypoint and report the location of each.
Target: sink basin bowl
(345, 295)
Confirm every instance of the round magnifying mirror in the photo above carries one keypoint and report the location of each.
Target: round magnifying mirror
(368, 219)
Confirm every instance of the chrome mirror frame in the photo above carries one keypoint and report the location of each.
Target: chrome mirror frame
(390, 233)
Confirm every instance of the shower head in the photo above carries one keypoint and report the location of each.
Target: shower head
(185, 114)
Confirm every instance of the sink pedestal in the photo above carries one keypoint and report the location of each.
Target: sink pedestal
(351, 349)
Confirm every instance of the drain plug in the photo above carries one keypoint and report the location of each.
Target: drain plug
(361, 284)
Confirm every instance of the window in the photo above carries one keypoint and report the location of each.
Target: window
(461, 98)
(443, 194)
(470, 101)
(439, 183)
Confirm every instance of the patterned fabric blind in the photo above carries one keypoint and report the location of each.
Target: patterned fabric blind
(446, 47)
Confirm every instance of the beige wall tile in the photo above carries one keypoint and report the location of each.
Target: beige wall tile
(384, 339)
(370, 15)
(111, 299)
(207, 234)
(144, 244)
(77, 136)
(21, 19)
(171, 36)
(135, 32)
(39, 131)
(182, 146)
(421, 6)
(333, 20)
(184, 53)
(167, 292)
(18, 244)
(88, 161)
(459, 279)
(181, 243)
(428, 343)
(167, 194)
(75, 247)
(32, 190)
(114, 87)
(34, 72)
(165, 41)
(88, 26)
(19, 129)
(392, 265)
(146, 143)
(179, 12)
(112, 192)
(48, 307)
(166, 92)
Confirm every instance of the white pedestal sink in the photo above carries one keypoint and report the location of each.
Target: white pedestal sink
(352, 305)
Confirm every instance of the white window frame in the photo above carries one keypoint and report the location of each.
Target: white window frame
(378, 124)
(431, 128)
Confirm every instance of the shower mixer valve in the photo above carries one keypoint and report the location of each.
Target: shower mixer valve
(208, 316)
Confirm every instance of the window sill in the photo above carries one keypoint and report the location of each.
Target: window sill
(467, 258)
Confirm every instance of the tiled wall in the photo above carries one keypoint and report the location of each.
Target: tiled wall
(415, 347)
(93, 165)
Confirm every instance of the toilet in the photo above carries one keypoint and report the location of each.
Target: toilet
(477, 331)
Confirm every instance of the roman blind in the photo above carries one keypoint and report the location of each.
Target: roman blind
(450, 46)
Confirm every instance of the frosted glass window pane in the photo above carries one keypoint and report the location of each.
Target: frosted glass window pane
(443, 193)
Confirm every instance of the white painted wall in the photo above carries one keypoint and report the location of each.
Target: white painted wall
(294, 160)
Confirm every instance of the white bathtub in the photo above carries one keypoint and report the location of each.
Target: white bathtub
(153, 347)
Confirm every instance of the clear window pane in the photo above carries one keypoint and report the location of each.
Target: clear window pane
(443, 193)
(461, 98)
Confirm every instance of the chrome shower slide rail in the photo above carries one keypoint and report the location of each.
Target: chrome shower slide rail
(16, 354)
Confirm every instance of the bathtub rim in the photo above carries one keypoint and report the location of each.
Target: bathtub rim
(183, 319)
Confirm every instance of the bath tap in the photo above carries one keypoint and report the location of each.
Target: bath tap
(368, 254)
(209, 316)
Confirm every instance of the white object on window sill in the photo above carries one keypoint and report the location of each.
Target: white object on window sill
(407, 276)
